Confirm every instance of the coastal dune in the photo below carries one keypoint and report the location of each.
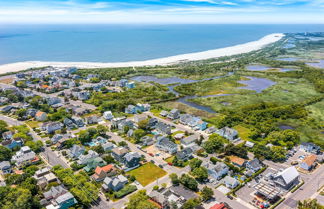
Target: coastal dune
(227, 51)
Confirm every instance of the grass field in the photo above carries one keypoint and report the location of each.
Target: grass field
(147, 173)
(33, 124)
(243, 132)
(227, 85)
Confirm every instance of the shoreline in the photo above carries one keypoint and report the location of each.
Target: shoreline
(215, 53)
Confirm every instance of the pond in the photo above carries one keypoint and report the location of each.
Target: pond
(285, 127)
(288, 59)
(264, 68)
(317, 63)
(256, 84)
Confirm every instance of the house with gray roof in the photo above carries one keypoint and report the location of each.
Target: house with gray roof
(25, 156)
(51, 127)
(163, 128)
(189, 140)
(132, 159)
(115, 183)
(75, 151)
(5, 167)
(231, 182)
(216, 171)
(58, 197)
(174, 114)
(163, 143)
(254, 165)
(287, 178)
(184, 154)
(84, 159)
(228, 133)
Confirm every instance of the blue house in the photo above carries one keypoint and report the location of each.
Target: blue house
(131, 109)
(130, 85)
(202, 125)
(12, 143)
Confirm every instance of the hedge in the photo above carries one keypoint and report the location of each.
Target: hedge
(125, 191)
(277, 203)
(297, 187)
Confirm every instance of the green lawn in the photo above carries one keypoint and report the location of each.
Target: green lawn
(32, 124)
(147, 173)
(169, 159)
(243, 132)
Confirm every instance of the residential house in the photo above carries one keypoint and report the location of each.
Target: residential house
(222, 205)
(12, 143)
(189, 140)
(131, 109)
(131, 159)
(83, 95)
(254, 165)
(130, 85)
(201, 125)
(125, 123)
(147, 141)
(5, 167)
(310, 147)
(249, 144)
(92, 163)
(80, 111)
(287, 178)
(51, 127)
(164, 113)
(184, 154)
(31, 112)
(231, 182)
(163, 143)
(115, 183)
(163, 128)
(228, 133)
(53, 100)
(59, 198)
(309, 162)
(177, 195)
(78, 121)
(108, 115)
(240, 162)
(179, 136)
(92, 119)
(69, 123)
(25, 156)
(84, 159)
(216, 171)
(152, 123)
(139, 118)
(75, 151)
(41, 116)
(174, 114)
(44, 176)
(7, 135)
(118, 153)
(108, 146)
(102, 172)
(3, 100)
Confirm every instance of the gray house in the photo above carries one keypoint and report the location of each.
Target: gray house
(163, 143)
(216, 171)
(132, 159)
(228, 133)
(174, 114)
(189, 140)
(5, 167)
(287, 178)
(76, 151)
(163, 128)
(254, 165)
(115, 183)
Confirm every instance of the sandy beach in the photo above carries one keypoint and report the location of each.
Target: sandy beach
(227, 51)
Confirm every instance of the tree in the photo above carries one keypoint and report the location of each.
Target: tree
(138, 134)
(143, 124)
(139, 201)
(108, 159)
(309, 204)
(200, 173)
(35, 146)
(3, 127)
(191, 203)
(174, 179)
(238, 150)
(206, 193)
(101, 129)
(189, 182)
(214, 144)
(195, 163)
(5, 153)
(99, 149)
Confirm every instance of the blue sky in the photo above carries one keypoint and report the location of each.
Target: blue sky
(162, 11)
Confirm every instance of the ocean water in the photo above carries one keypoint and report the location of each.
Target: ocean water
(119, 43)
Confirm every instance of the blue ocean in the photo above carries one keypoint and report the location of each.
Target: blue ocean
(119, 43)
